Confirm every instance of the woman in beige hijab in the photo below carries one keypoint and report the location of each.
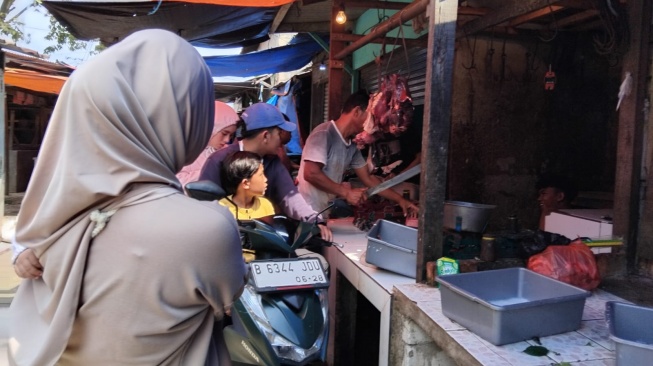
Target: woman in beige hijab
(224, 128)
(134, 272)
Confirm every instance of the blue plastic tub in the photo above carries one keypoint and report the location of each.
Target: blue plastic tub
(631, 329)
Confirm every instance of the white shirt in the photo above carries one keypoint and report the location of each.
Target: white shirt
(325, 145)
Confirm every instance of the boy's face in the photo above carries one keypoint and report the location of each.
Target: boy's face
(550, 199)
(258, 183)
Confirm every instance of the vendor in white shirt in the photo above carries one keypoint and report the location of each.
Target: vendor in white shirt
(329, 151)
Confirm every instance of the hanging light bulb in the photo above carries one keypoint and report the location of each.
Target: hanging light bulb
(341, 17)
(322, 66)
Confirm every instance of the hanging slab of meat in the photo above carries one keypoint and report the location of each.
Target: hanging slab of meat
(390, 111)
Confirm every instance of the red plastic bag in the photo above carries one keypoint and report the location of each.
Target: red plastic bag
(573, 264)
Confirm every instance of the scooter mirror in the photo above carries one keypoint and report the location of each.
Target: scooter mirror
(205, 190)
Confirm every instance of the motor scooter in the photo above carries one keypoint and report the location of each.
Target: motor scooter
(282, 316)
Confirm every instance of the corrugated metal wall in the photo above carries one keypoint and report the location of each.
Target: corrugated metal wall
(416, 73)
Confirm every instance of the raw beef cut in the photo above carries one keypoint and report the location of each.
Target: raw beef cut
(390, 111)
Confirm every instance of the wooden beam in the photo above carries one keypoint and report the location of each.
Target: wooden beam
(534, 15)
(347, 37)
(437, 126)
(409, 12)
(279, 17)
(339, 87)
(509, 11)
(579, 4)
(468, 10)
(629, 136)
(575, 19)
(313, 27)
(391, 5)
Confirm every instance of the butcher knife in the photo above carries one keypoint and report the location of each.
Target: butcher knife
(394, 180)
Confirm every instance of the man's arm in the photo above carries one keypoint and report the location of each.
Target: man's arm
(314, 175)
(373, 181)
(283, 192)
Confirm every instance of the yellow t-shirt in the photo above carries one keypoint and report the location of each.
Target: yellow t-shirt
(262, 207)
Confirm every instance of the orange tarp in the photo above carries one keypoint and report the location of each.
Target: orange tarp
(33, 80)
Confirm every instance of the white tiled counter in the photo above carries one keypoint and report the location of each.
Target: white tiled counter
(374, 284)
(589, 346)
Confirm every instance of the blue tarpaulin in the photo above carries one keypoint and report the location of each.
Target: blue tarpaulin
(281, 59)
(202, 24)
(287, 104)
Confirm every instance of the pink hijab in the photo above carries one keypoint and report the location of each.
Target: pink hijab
(225, 116)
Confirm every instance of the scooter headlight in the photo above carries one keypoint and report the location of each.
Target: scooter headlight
(283, 347)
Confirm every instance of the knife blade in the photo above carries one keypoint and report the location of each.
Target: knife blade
(395, 180)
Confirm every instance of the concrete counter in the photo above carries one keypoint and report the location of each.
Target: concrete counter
(413, 331)
(417, 308)
(372, 283)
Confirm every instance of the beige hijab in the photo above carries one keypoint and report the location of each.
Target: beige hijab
(136, 113)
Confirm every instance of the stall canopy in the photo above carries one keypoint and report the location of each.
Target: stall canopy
(34, 81)
(205, 23)
(281, 59)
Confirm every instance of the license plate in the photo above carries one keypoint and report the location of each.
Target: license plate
(288, 274)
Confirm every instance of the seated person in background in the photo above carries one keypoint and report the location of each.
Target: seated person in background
(555, 192)
(245, 182)
(224, 128)
(329, 151)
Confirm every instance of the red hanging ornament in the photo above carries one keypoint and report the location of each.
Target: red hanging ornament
(549, 79)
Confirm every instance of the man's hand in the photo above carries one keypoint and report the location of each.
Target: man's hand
(325, 233)
(409, 208)
(356, 196)
(27, 265)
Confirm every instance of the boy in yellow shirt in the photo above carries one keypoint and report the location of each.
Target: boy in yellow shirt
(243, 179)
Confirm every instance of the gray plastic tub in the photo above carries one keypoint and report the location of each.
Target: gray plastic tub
(393, 247)
(631, 329)
(511, 305)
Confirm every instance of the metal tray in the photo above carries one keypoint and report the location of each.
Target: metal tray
(393, 247)
(511, 305)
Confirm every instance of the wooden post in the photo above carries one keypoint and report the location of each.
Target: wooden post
(336, 67)
(437, 124)
(4, 151)
(629, 140)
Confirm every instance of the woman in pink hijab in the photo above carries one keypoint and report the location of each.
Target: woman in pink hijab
(224, 129)
(134, 272)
